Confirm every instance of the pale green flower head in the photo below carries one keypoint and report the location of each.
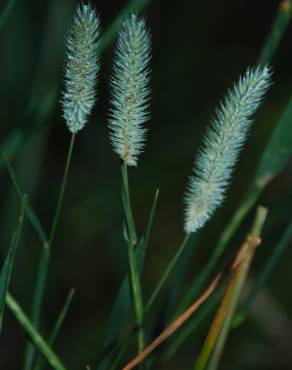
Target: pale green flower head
(81, 67)
(130, 91)
(223, 142)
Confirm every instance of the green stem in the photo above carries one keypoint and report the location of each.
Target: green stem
(62, 191)
(44, 261)
(166, 273)
(41, 362)
(38, 340)
(277, 30)
(153, 296)
(133, 267)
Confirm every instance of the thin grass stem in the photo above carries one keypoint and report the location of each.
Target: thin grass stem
(44, 261)
(133, 268)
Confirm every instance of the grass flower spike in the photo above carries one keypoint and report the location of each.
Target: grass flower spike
(130, 92)
(82, 66)
(222, 144)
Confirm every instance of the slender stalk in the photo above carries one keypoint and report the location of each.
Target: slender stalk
(153, 297)
(279, 26)
(167, 272)
(44, 261)
(127, 205)
(62, 190)
(60, 319)
(134, 271)
(38, 340)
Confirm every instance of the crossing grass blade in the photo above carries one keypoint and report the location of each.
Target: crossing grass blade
(63, 313)
(31, 215)
(35, 336)
(39, 117)
(6, 271)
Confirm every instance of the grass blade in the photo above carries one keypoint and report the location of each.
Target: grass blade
(217, 336)
(278, 150)
(45, 258)
(17, 138)
(133, 267)
(31, 215)
(37, 339)
(133, 6)
(6, 12)
(278, 28)
(167, 272)
(6, 271)
(193, 324)
(122, 303)
(63, 313)
(178, 322)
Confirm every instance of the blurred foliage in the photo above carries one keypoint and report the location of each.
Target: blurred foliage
(199, 49)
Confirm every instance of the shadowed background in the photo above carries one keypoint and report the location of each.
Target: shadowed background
(199, 50)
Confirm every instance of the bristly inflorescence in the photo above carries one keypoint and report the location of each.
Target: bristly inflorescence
(222, 145)
(81, 68)
(130, 91)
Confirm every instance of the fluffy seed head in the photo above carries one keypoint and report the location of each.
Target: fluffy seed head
(81, 68)
(221, 147)
(130, 91)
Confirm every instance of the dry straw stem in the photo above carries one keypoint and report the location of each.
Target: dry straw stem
(216, 338)
(193, 308)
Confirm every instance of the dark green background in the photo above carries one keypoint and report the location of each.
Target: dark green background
(199, 49)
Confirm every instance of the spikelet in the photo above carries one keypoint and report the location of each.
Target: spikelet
(222, 145)
(130, 91)
(81, 68)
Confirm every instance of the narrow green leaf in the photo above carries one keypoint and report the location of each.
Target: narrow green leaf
(134, 6)
(39, 117)
(6, 12)
(6, 270)
(278, 150)
(45, 259)
(63, 313)
(166, 273)
(278, 28)
(31, 215)
(37, 339)
(121, 306)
